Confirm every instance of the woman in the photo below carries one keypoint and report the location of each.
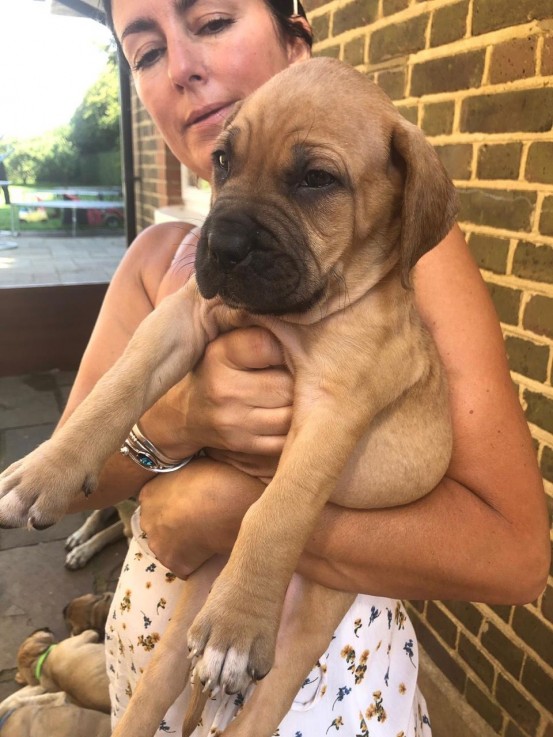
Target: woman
(480, 535)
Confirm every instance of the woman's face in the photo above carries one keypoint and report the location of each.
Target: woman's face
(191, 60)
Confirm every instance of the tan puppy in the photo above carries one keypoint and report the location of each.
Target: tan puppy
(76, 666)
(88, 612)
(324, 198)
(93, 536)
(33, 712)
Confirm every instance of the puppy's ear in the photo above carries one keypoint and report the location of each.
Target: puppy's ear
(19, 679)
(429, 198)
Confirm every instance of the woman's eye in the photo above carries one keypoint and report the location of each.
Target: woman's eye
(317, 178)
(214, 26)
(148, 59)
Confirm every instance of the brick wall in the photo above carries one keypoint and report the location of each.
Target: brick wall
(476, 76)
(157, 171)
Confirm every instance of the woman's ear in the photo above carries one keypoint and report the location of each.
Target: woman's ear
(298, 49)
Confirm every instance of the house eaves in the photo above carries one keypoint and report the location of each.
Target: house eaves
(79, 8)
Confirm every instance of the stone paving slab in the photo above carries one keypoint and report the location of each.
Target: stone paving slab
(50, 258)
(23, 404)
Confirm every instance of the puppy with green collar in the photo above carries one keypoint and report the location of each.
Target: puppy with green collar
(76, 665)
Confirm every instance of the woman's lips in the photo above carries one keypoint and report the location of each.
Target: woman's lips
(209, 115)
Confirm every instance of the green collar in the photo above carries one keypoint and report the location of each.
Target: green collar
(40, 662)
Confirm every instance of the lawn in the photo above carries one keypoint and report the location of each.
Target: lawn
(55, 218)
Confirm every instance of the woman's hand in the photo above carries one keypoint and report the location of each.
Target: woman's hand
(195, 513)
(237, 403)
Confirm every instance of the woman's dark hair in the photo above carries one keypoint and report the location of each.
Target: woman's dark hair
(281, 10)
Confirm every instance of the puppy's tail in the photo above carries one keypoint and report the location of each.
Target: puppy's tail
(196, 705)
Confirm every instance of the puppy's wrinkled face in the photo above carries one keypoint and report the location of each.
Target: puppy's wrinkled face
(29, 652)
(87, 612)
(304, 205)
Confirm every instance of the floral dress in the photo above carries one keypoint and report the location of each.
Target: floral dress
(364, 685)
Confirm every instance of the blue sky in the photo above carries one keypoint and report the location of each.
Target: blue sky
(48, 62)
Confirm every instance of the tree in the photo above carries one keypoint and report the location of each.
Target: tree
(95, 124)
(71, 152)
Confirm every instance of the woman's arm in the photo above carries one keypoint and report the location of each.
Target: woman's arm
(482, 534)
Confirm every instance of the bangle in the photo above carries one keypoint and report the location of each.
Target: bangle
(143, 452)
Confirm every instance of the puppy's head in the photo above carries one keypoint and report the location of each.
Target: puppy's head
(29, 652)
(88, 612)
(320, 187)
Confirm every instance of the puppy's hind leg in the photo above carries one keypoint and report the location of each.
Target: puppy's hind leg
(167, 672)
(310, 617)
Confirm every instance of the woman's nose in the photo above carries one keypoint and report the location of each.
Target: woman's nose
(186, 64)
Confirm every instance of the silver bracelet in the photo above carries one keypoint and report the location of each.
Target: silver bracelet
(143, 452)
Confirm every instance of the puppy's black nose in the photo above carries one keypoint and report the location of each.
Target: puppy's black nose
(229, 245)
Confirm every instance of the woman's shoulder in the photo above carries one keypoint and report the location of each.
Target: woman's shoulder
(150, 255)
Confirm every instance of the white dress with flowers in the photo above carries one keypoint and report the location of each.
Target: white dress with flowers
(364, 685)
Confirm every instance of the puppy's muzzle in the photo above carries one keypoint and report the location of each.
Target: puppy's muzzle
(250, 266)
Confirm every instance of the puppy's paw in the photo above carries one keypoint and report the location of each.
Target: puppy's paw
(37, 490)
(234, 647)
(74, 540)
(78, 557)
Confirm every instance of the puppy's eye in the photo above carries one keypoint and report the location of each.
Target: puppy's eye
(317, 178)
(221, 160)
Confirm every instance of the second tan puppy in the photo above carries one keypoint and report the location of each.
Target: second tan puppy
(88, 612)
(76, 665)
(324, 198)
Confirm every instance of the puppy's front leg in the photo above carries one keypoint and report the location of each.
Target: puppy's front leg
(235, 632)
(310, 616)
(38, 489)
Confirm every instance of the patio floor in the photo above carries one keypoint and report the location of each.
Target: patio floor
(53, 258)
